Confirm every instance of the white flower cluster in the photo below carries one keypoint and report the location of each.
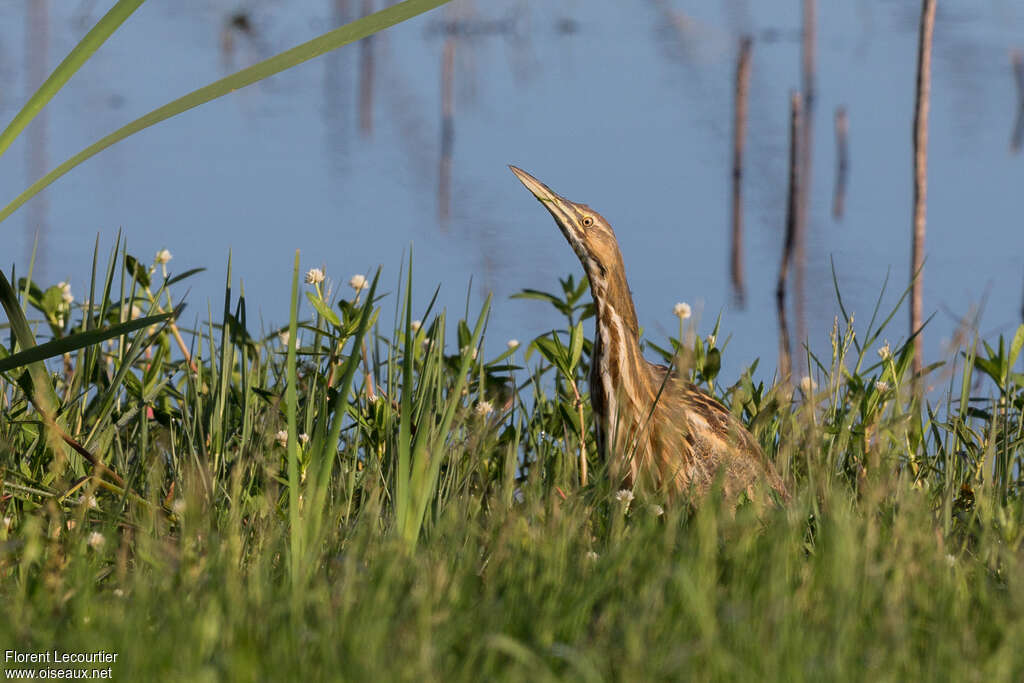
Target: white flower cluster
(682, 310)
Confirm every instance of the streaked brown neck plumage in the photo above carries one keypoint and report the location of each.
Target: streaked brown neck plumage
(616, 361)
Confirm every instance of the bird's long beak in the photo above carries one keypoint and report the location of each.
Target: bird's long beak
(559, 207)
(541, 191)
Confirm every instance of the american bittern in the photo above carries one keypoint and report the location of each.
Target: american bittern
(655, 429)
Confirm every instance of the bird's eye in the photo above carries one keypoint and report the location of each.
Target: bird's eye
(587, 221)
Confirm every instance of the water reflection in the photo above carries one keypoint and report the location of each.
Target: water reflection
(1018, 127)
(366, 75)
(842, 162)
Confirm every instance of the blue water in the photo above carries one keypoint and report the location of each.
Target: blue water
(624, 106)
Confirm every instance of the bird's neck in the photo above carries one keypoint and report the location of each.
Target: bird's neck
(617, 337)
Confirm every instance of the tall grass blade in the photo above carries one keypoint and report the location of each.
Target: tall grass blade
(80, 340)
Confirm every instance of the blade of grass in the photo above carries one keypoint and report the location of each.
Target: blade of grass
(403, 494)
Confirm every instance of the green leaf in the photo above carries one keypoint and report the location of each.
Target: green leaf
(712, 364)
(570, 417)
(323, 309)
(554, 352)
(575, 347)
(560, 305)
(137, 270)
(51, 301)
(1015, 347)
(178, 278)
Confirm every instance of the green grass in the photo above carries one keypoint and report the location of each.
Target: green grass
(429, 522)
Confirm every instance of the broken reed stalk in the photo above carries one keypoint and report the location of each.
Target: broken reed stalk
(792, 217)
(447, 129)
(842, 163)
(924, 77)
(366, 77)
(738, 137)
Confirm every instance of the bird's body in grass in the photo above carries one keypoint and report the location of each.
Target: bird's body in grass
(656, 430)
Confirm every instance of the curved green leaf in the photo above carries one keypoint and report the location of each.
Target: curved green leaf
(74, 342)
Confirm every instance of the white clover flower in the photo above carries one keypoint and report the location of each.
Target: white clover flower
(118, 593)
(303, 438)
(711, 339)
(92, 503)
(682, 310)
(464, 349)
(657, 510)
(314, 276)
(512, 343)
(163, 256)
(591, 556)
(624, 496)
(96, 540)
(358, 283)
(885, 353)
(284, 337)
(484, 408)
(881, 386)
(808, 385)
(65, 292)
(416, 325)
(282, 438)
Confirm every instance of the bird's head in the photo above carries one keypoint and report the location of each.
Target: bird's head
(587, 231)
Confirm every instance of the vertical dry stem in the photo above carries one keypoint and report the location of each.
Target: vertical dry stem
(924, 77)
